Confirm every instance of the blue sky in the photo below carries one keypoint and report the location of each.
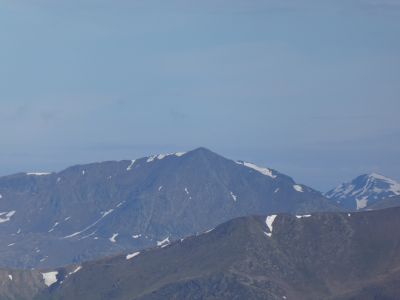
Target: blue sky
(310, 88)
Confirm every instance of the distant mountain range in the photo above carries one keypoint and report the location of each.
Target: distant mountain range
(365, 191)
(304, 257)
(90, 211)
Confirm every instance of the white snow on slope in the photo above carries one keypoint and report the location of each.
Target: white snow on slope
(264, 171)
(394, 186)
(10, 277)
(7, 216)
(50, 278)
(113, 238)
(362, 203)
(107, 212)
(136, 236)
(186, 191)
(129, 256)
(53, 227)
(104, 214)
(269, 221)
(298, 188)
(302, 216)
(162, 156)
(78, 268)
(38, 173)
(163, 242)
(234, 197)
(131, 165)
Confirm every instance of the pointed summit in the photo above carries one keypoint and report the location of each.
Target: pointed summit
(364, 191)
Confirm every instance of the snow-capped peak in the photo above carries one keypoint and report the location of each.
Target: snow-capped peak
(364, 190)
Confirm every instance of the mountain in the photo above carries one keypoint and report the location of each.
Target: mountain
(317, 256)
(90, 211)
(363, 191)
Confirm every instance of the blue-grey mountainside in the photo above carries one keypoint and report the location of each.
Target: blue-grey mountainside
(89, 211)
(364, 191)
(352, 256)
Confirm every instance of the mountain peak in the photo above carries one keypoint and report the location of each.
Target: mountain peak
(202, 150)
(364, 190)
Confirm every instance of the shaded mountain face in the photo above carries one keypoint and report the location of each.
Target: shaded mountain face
(318, 256)
(90, 211)
(364, 191)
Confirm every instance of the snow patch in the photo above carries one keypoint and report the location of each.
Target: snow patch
(50, 278)
(104, 214)
(162, 156)
(10, 277)
(131, 165)
(234, 197)
(107, 212)
(302, 216)
(7, 216)
(163, 242)
(113, 238)
(38, 173)
(298, 188)
(186, 191)
(269, 221)
(129, 256)
(136, 236)
(54, 226)
(264, 171)
(160, 188)
(362, 203)
(78, 268)
(276, 190)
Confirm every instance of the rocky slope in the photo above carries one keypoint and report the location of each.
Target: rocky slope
(94, 210)
(318, 256)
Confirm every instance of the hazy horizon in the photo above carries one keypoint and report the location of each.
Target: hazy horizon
(309, 88)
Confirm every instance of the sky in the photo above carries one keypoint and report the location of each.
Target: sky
(309, 88)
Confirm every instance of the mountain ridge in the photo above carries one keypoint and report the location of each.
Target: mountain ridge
(52, 220)
(331, 255)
